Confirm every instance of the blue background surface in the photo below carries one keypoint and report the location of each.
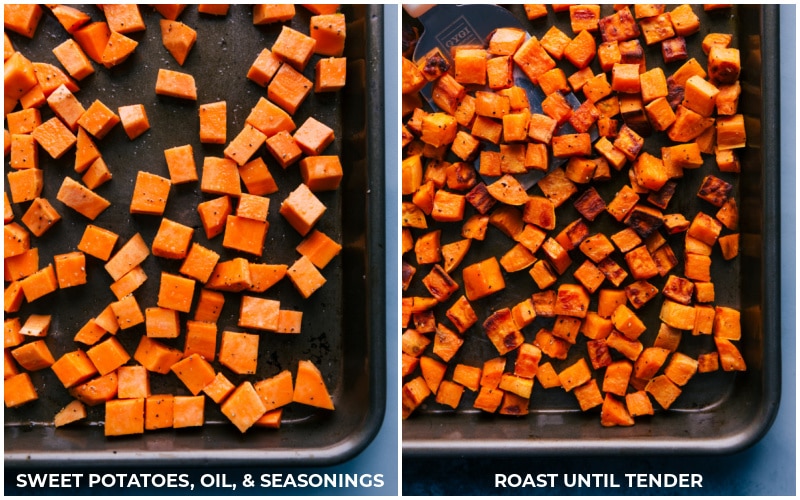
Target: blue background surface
(767, 468)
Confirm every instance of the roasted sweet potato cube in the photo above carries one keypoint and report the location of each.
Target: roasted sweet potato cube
(483, 278)
(649, 362)
(617, 375)
(439, 283)
(629, 348)
(557, 187)
(572, 300)
(677, 315)
(663, 390)
(502, 331)
(614, 412)
(597, 247)
(715, 190)
(638, 403)
(414, 393)
(446, 342)
(708, 362)
(575, 375)
(680, 368)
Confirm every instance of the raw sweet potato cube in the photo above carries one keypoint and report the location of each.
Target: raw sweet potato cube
(201, 338)
(245, 234)
(302, 209)
(176, 84)
(188, 411)
(172, 239)
(244, 145)
(283, 148)
(329, 31)
(133, 382)
(243, 407)
(175, 292)
(220, 176)
(155, 356)
(199, 263)
(70, 269)
(74, 368)
(40, 283)
(132, 253)
(213, 122)
(321, 173)
(239, 352)
(259, 313)
(231, 276)
(161, 322)
(124, 416)
(150, 194)
(108, 355)
(263, 68)
(214, 214)
(289, 88)
(253, 207)
(209, 306)
(40, 216)
(134, 120)
(129, 283)
(195, 372)
(305, 277)
(158, 411)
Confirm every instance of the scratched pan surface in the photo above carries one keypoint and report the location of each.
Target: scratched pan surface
(341, 330)
(716, 413)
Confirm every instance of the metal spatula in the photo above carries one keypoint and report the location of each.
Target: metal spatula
(447, 26)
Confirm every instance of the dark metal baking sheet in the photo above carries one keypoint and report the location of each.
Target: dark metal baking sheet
(342, 325)
(716, 413)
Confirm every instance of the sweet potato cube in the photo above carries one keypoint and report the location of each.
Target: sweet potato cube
(264, 67)
(172, 239)
(239, 352)
(305, 277)
(175, 292)
(108, 355)
(259, 313)
(73, 368)
(209, 307)
(626, 322)
(488, 399)
(132, 253)
(40, 216)
(155, 356)
(310, 388)
(40, 283)
(470, 65)
(302, 209)
(575, 375)
(73, 412)
(199, 263)
(133, 382)
(244, 145)
(176, 84)
(150, 194)
(414, 393)
(677, 315)
(467, 376)
(245, 234)
(158, 411)
(449, 394)
(134, 120)
(214, 214)
(244, 406)
(128, 284)
(161, 322)
(289, 88)
(588, 395)
(70, 269)
(124, 416)
(638, 404)
(514, 384)
(631, 349)
(195, 373)
(614, 413)
(663, 390)
(188, 411)
(321, 173)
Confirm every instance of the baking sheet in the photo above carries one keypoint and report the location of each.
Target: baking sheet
(342, 324)
(717, 412)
